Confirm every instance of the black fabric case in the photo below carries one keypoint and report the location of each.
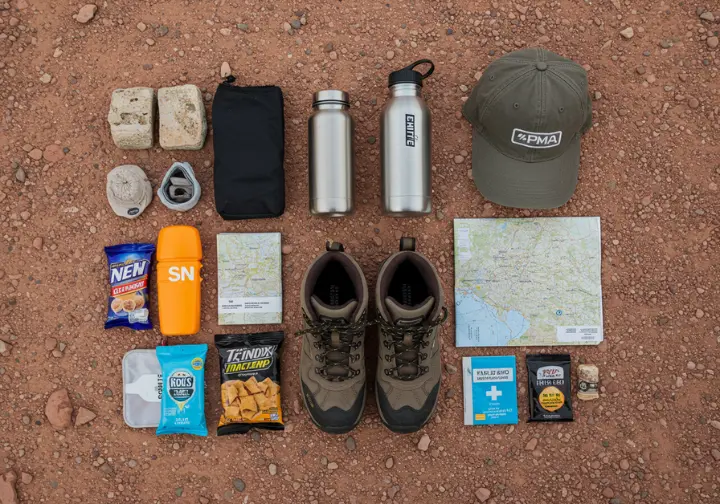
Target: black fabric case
(249, 142)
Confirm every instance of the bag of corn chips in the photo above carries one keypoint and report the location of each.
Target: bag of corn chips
(249, 382)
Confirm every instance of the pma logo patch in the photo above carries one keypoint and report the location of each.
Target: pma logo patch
(536, 140)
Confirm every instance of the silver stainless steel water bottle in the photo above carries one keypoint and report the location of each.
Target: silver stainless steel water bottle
(331, 163)
(405, 144)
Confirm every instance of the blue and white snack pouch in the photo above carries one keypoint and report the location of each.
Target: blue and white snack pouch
(183, 396)
(129, 299)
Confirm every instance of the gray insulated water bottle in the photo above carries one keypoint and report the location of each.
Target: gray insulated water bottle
(330, 144)
(405, 147)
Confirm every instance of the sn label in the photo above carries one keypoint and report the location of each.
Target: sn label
(181, 273)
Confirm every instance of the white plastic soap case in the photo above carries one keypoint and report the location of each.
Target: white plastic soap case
(142, 387)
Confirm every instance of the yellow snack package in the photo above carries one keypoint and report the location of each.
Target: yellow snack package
(249, 382)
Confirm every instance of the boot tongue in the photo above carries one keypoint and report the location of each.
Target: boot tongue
(345, 313)
(404, 315)
(409, 315)
(326, 312)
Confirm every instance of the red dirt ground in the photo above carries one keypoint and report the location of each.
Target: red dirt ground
(650, 169)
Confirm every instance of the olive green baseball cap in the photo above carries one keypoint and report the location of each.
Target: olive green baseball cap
(528, 111)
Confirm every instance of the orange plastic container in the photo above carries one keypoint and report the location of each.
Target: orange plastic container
(179, 253)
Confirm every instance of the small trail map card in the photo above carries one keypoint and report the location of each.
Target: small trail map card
(490, 390)
(249, 278)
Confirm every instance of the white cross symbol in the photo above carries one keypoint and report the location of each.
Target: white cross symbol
(493, 393)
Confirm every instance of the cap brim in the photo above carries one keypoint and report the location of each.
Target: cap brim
(512, 183)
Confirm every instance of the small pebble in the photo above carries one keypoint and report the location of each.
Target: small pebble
(627, 33)
(225, 69)
(239, 484)
(483, 494)
(389, 462)
(273, 469)
(424, 443)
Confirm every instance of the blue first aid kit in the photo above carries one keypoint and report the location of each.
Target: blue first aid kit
(490, 390)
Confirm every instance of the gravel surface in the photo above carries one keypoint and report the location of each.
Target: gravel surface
(650, 169)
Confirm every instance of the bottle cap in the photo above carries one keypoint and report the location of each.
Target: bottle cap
(409, 75)
(179, 243)
(331, 96)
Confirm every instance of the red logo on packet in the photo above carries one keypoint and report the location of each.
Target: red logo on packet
(128, 287)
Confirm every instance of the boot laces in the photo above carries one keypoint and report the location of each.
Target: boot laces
(407, 341)
(336, 340)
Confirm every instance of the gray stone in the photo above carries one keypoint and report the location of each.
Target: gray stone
(131, 117)
(707, 16)
(182, 118)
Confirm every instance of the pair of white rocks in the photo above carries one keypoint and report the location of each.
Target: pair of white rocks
(181, 116)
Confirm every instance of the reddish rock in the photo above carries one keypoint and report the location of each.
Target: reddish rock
(58, 409)
(483, 494)
(84, 416)
(86, 13)
(53, 153)
(8, 495)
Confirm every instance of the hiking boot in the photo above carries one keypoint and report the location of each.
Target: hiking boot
(409, 301)
(334, 298)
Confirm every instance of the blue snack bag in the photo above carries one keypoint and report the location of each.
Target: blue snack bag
(129, 298)
(183, 396)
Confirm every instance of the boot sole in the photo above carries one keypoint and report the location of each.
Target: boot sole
(336, 430)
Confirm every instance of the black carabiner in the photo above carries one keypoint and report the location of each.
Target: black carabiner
(423, 62)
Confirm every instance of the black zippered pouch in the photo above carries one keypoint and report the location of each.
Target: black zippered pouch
(249, 143)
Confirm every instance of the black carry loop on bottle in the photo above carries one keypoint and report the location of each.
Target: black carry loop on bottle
(249, 143)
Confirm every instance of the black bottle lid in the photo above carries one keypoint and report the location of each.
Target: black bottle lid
(410, 75)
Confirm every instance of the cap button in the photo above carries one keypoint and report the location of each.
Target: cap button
(541, 65)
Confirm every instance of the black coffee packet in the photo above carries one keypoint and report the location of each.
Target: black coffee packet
(549, 388)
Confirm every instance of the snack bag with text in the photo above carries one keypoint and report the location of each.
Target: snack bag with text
(129, 298)
(249, 382)
(183, 395)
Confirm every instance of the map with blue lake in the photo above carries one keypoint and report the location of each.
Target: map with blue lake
(528, 282)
